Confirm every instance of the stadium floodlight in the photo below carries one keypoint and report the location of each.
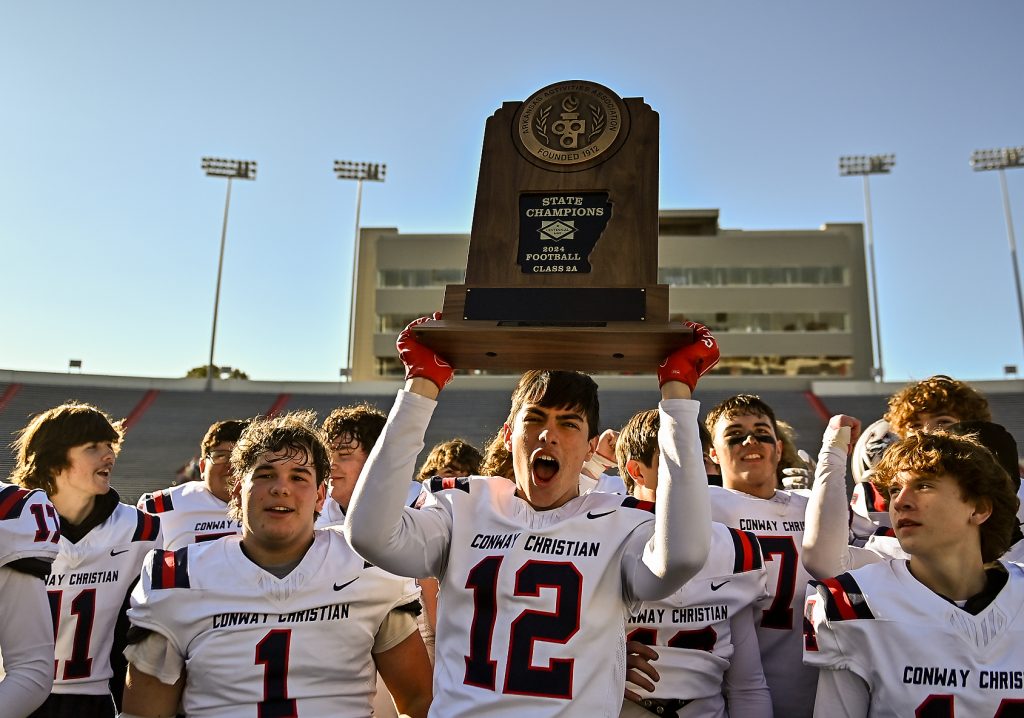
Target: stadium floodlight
(231, 170)
(360, 172)
(1003, 159)
(865, 165)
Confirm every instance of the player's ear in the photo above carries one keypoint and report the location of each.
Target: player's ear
(321, 496)
(713, 455)
(633, 469)
(593, 446)
(982, 510)
(506, 435)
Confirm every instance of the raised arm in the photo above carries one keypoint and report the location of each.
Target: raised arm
(378, 524)
(826, 549)
(682, 519)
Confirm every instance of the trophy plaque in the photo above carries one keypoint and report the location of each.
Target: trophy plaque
(563, 257)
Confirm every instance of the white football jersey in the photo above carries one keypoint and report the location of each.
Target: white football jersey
(29, 526)
(691, 628)
(189, 513)
(87, 588)
(255, 644)
(918, 653)
(517, 577)
(778, 523)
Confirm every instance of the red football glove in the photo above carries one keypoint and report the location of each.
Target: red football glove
(420, 360)
(688, 364)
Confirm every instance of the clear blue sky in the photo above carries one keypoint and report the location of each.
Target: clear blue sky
(109, 229)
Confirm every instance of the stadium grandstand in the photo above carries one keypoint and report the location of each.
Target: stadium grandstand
(166, 418)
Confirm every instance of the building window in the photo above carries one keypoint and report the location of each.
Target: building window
(727, 322)
(784, 366)
(395, 278)
(394, 323)
(752, 276)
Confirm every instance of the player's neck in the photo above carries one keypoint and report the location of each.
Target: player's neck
(756, 488)
(957, 575)
(73, 506)
(269, 557)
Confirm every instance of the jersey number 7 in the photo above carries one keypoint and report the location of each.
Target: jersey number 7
(558, 626)
(782, 549)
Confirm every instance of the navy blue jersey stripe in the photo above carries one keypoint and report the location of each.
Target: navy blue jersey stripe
(170, 569)
(12, 501)
(146, 528)
(438, 483)
(843, 598)
(632, 502)
(747, 551)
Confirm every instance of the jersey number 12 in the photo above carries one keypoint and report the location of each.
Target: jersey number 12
(558, 626)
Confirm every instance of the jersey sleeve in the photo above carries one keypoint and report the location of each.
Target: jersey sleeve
(155, 655)
(829, 604)
(396, 627)
(682, 520)
(158, 594)
(26, 634)
(378, 525)
(29, 526)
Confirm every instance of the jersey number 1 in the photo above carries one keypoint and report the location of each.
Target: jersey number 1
(272, 653)
(552, 681)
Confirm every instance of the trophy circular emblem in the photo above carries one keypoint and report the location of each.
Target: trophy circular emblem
(571, 123)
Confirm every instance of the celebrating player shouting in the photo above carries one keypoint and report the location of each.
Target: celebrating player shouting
(535, 579)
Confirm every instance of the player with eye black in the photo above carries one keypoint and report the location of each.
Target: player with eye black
(535, 577)
(69, 452)
(746, 447)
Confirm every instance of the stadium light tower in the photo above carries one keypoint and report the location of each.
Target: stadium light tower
(360, 172)
(864, 165)
(232, 170)
(1000, 160)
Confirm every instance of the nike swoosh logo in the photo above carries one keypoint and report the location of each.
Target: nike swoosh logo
(715, 588)
(338, 588)
(592, 515)
(118, 553)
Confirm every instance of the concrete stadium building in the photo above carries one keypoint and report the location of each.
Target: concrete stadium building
(783, 303)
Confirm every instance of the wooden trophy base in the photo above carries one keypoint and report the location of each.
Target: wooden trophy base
(581, 346)
(584, 329)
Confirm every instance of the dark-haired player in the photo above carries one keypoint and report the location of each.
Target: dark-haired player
(283, 620)
(198, 510)
(746, 446)
(29, 534)
(69, 452)
(939, 634)
(534, 577)
(704, 632)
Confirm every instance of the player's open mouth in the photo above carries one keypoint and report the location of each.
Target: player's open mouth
(906, 523)
(752, 457)
(544, 467)
(105, 473)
